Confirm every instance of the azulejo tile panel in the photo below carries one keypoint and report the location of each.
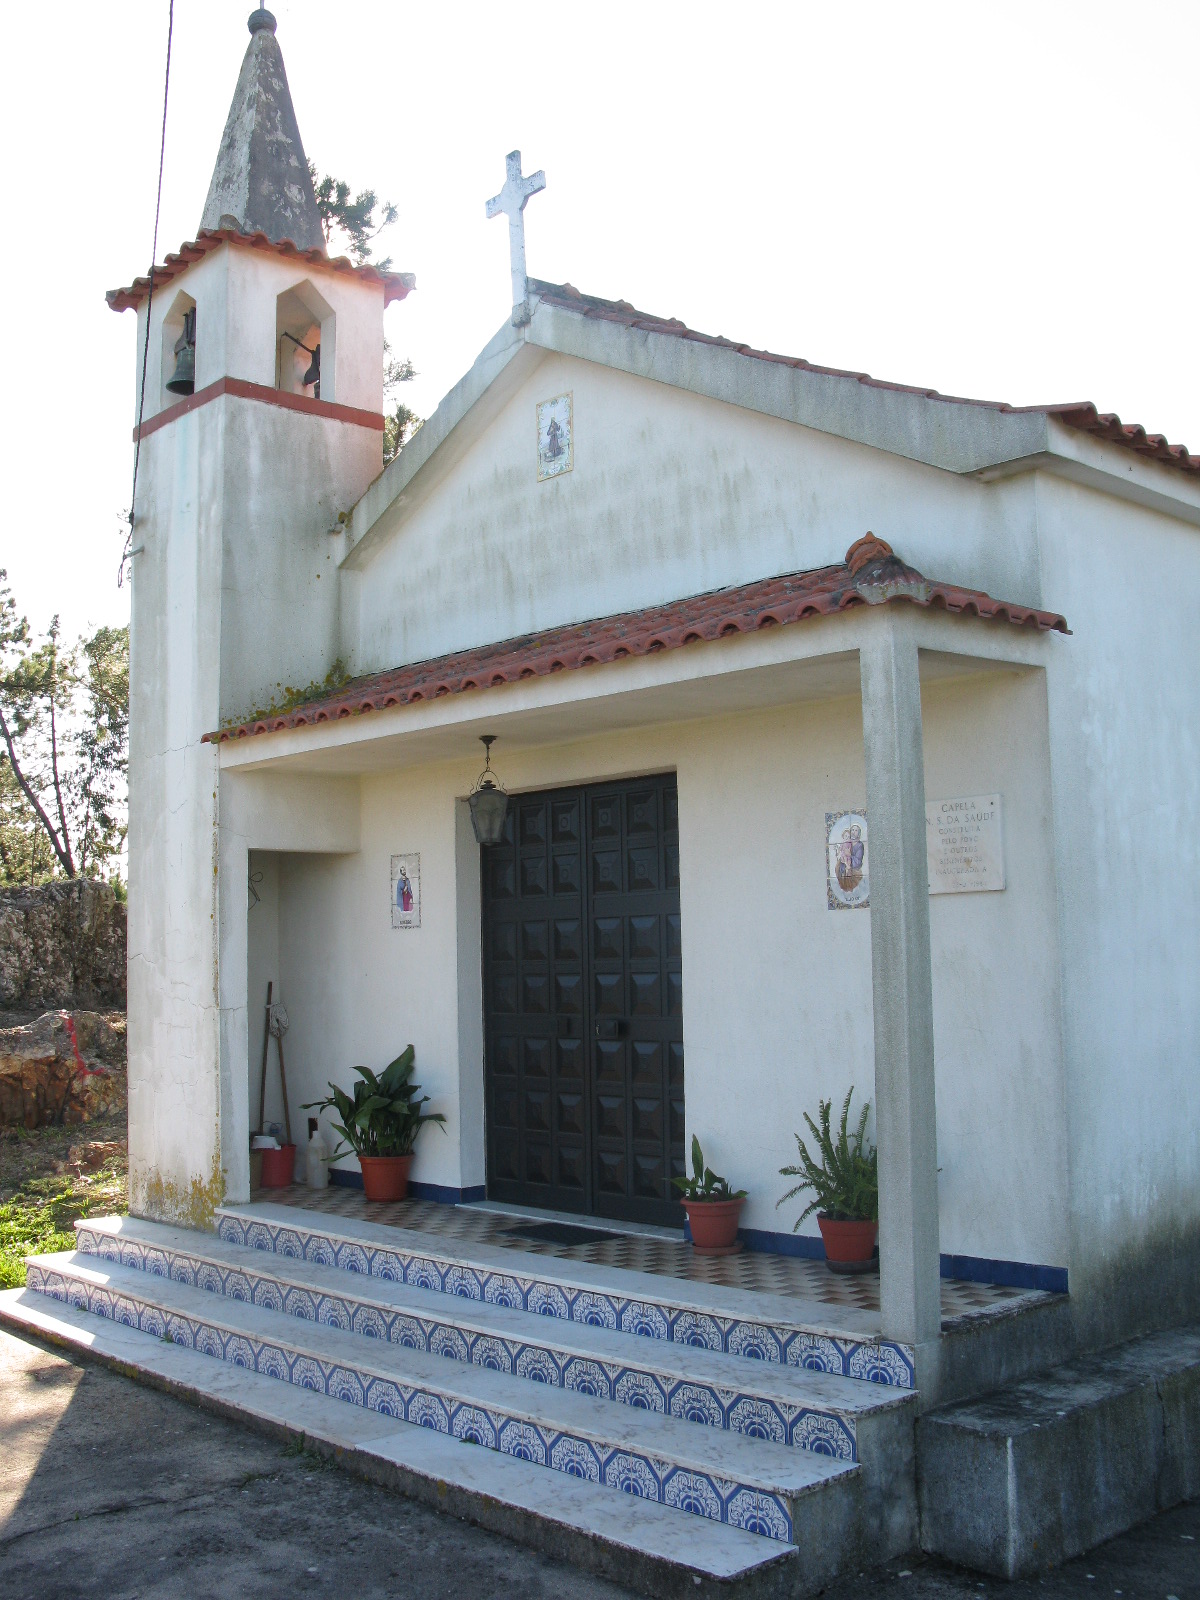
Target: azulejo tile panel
(629, 1470)
(808, 1429)
(875, 1361)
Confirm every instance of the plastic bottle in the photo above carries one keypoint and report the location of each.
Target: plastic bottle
(317, 1167)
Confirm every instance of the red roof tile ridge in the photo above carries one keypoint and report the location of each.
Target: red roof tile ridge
(1083, 415)
(396, 284)
(872, 574)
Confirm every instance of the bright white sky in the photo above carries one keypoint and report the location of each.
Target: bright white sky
(996, 201)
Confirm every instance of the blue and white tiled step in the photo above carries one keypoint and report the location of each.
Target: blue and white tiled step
(745, 1482)
(641, 1544)
(771, 1328)
(810, 1410)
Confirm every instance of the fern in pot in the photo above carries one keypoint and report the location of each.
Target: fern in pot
(845, 1185)
(380, 1121)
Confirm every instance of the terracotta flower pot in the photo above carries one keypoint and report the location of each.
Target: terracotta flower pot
(714, 1226)
(849, 1246)
(385, 1177)
(278, 1167)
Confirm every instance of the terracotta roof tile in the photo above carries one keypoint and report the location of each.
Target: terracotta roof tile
(871, 575)
(1076, 414)
(395, 284)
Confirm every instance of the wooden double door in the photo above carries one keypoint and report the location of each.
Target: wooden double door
(583, 1001)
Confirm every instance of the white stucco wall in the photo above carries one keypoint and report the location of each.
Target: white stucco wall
(233, 594)
(671, 494)
(1124, 706)
(777, 1004)
(286, 477)
(175, 630)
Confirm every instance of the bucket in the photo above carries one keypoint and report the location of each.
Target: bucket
(278, 1167)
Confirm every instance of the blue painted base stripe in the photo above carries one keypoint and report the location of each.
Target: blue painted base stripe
(782, 1244)
(347, 1178)
(967, 1269)
(1010, 1274)
(445, 1195)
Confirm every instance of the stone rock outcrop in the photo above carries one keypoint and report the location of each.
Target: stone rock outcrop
(62, 944)
(67, 1067)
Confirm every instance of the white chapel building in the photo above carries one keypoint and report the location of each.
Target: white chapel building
(850, 733)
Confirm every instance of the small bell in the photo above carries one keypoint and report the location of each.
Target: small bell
(313, 375)
(183, 379)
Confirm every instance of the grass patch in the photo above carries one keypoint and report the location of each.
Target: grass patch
(38, 1218)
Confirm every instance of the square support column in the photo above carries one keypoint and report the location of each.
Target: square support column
(901, 990)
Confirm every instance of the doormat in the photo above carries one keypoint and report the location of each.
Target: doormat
(559, 1233)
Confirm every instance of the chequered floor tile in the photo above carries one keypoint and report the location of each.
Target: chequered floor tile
(768, 1274)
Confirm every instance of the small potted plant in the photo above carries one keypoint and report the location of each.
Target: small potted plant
(379, 1124)
(712, 1207)
(846, 1186)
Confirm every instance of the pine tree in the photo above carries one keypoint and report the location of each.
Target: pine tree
(355, 221)
(64, 721)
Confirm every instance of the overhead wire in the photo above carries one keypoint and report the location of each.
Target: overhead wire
(127, 551)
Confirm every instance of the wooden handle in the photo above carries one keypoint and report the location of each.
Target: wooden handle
(262, 1085)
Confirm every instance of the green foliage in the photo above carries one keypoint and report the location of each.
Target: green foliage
(103, 743)
(383, 1116)
(39, 1217)
(400, 421)
(288, 698)
(846, 1181)
(354, 222)
(704, 1183)
(352, 217)
(64, 735)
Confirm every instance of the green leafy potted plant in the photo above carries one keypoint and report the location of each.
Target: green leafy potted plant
(846, 1185)
(379, 1123)
(712, 1207)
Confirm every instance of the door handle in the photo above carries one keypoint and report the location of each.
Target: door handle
(612, 1028)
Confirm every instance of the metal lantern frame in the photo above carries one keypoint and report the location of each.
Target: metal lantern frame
(488, 800)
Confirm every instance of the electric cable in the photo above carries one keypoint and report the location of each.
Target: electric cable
(127, 550)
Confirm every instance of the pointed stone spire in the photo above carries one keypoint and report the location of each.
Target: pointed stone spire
(261, 181)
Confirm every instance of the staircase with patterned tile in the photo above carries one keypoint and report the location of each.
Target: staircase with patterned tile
(661, 1430)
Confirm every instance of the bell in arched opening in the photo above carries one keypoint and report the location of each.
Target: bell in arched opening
(313, 375)
(183, 379)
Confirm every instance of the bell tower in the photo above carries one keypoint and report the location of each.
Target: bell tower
(261, 421)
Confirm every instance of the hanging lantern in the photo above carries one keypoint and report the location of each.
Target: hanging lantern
(488, 802)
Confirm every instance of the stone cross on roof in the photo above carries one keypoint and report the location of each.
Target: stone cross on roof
(511, 202)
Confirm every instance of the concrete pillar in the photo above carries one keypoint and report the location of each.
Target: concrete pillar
(902, 990)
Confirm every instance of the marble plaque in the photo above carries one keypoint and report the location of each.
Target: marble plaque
(965, 844)
(406, 891)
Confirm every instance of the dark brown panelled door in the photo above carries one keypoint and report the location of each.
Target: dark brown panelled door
(583, 1001)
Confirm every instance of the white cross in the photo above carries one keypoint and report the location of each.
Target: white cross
(511, 202)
